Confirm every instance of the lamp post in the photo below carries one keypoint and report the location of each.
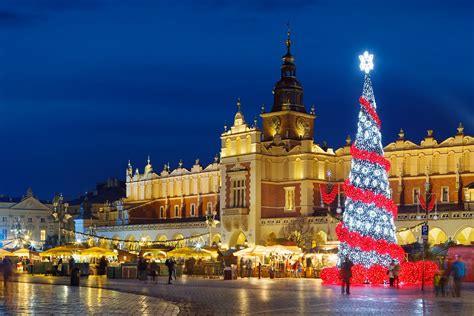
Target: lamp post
(60, 213)
(211, 221)
(425, 240)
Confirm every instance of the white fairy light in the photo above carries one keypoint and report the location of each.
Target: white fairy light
(366, 62)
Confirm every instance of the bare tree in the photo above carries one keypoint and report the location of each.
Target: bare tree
(300, 231)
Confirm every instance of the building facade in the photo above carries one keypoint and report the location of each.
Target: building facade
(29, 213)
(267, 176)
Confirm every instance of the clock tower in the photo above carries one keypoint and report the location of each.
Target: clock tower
(288, 119)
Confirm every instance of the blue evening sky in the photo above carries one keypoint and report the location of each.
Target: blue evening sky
(86, 85)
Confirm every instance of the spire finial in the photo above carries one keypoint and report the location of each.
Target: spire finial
(263, 108)
(148, 159)
(238, 104)
(129, 164)
(312, 109)
(460, 129)
(288, 33)
(401, 134)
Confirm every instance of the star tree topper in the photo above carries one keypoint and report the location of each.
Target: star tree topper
(366, 62)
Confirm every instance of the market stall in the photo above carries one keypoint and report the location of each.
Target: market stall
(267, 261)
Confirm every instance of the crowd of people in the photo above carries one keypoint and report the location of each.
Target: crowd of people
(448, 280)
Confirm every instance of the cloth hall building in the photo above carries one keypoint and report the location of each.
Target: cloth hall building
(267, 176)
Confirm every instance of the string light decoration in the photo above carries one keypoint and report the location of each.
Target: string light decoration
(410, 273)
(367, 231)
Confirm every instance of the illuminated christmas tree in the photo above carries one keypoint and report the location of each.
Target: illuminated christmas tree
(367, 232)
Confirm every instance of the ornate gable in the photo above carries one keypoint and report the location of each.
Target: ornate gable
(30, 203)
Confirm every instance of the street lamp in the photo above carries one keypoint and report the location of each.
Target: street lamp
(425, 240)
(211, 221)
(60, 213)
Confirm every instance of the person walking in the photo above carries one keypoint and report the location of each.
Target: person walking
(396, 272)
(459, 271)
(242, 264)
(169, 263)
(72, 264)
(436, 283)
(442, 283)
(7, 270)
(346, 274)
(391, 268)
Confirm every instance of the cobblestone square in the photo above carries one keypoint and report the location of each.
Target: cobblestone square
(190, 296)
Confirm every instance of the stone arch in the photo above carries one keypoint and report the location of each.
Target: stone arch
(320, 238)
(104, 243)
(238, 239)
(115, 241)
(437, 236)
(465, 236)
(406, 237)
(130, 244)
(161, 237)
(216, 239)
(179, 244)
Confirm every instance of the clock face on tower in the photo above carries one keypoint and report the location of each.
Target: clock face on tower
(275, 125)
(302, 127)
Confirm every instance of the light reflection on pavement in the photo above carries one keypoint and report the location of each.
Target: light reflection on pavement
(27, 298)
(280, 296)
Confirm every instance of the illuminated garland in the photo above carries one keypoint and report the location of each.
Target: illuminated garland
(136, 241)
(431, 203)
(368, 107)
(410, 273)
(370, 156)
(366, 243)
(368, 197)
(328, 198)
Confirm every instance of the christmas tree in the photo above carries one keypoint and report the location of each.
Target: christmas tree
(367, 231)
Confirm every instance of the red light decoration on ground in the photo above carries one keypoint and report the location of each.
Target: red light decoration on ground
(410, 273)
(359, 274)
(377, 274)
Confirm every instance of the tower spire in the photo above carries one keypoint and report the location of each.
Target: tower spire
(288, 40)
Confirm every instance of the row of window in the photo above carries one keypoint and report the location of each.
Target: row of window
(192, 213)
(29, 219)
(444, 195)
(4, 234)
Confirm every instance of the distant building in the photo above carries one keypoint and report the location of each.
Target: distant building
(99, 203)
(267, 176)
(31, 213)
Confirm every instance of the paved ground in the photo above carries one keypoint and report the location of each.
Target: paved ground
(46, 299)
(282, 296)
